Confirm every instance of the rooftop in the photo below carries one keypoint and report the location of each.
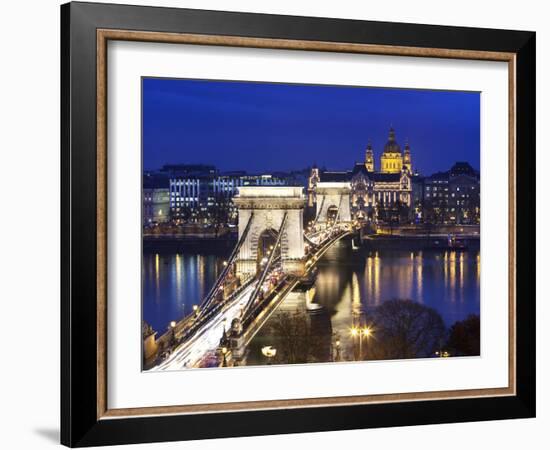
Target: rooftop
(329, 176)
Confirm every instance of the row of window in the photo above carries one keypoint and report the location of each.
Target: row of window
(457, 188)
(442, 195)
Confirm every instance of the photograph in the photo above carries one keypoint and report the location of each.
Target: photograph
(306, 224)
(273, 224)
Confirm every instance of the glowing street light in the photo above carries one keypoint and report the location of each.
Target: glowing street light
(173, 328)
(224, 353)
(360, 332)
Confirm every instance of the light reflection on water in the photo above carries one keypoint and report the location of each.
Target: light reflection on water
(352, 282)
(348, 283)
(172, 284)
(447, 281)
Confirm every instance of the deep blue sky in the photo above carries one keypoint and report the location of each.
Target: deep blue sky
(270, 127)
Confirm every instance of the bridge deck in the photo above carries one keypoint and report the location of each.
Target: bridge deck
(205, 338)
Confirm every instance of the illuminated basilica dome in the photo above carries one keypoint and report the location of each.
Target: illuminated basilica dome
(391, 160)
(375, 194)
(392, 146)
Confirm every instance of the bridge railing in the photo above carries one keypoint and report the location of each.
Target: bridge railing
(214, 291)
(266, 268)
(188, 326)
(257, 307)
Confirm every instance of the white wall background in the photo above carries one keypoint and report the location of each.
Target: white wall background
(29, 223)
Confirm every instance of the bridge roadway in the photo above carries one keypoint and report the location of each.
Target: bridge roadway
(192, 351)
(204, 342)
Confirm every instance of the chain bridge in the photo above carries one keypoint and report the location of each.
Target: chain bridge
(274, 252)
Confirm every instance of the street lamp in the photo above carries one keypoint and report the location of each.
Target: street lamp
(224, 353)
(360, 332)
(173, 328)
(337, 356)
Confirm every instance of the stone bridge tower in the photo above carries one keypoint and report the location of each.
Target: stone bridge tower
(330, 197)
(268, 205)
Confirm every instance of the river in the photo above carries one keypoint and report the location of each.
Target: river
(349, 282)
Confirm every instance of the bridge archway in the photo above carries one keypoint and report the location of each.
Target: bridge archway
(332, 213)
(267, 244)
(331, 197)
(268, 206)
(361, 215)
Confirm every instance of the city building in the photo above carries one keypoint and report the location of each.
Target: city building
(156, 199)
(376, 195)
(452, 196)
(389, 193)
(206, 196)
(417, 196)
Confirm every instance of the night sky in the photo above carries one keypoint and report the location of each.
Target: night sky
(262, 127)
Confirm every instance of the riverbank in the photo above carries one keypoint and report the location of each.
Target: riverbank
(419, 242)
(183, 243)
(172, 244)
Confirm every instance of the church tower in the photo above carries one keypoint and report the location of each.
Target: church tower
(391, 160)
(407, 163)
(369, 158)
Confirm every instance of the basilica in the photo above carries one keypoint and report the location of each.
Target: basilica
(376, 194)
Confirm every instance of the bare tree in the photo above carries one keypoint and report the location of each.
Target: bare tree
(404, 329)
(295, 341)
(464, 337)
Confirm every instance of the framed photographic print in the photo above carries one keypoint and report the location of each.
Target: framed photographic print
(277, 224)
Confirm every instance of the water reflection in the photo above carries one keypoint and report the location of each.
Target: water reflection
(436, 278)
(349, 284)
(173, 283)
(418, 264)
